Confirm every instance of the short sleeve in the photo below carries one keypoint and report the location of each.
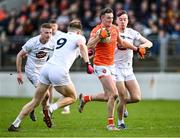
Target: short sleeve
(28, 46)
(94, 31)
(81, 40)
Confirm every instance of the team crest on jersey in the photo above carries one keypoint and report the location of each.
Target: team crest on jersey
(104, 70)
(41, 54)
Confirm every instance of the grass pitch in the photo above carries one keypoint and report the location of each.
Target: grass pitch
(149, 118)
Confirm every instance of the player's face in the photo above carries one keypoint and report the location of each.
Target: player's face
(54, 28)
(107, 19)
(46, 33)
(122, 21)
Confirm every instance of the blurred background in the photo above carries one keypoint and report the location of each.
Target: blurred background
(157, 20)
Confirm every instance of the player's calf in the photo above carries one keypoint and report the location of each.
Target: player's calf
(32, 116)
(83, 100)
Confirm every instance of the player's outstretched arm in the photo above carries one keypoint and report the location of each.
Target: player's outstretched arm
(126, 44)
(142, 51)
(146, 44)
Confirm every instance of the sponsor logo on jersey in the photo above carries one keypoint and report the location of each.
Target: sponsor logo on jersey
(41, 54)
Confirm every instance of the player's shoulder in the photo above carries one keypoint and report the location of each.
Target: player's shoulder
(79, 37)
(97, 27)
(82, 37)
(60, 32)
(35, 37)
(131, 31)
(114, 26)
(33, 40)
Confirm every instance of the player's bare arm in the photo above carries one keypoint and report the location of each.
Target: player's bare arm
(93, 42)
(145, 42)
(83, 51)
(19, 59)
(126, 44)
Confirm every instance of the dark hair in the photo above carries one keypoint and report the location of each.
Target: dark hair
(105, 10)
(121, 12)
(75, 24)
(52, 21)
(46, 25)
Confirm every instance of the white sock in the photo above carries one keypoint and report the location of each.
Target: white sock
(17, 122)
(66, 108)
(120, 121)
(53, 107)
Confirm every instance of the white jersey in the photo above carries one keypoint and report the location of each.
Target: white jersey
(66, 49)
(123, 57)
(37, 53)
(58, 33)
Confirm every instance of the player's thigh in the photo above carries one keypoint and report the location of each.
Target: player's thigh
(133, 88)
(40, 92)
(109, 85)
(121, 89)
(67, 90)
(107, 78)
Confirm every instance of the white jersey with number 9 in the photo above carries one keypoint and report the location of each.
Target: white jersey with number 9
(66, 49)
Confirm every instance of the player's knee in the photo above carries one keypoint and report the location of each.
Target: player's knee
(122, 96)
(74, 98)
(136, 99)
(106, 98)
(113, 97)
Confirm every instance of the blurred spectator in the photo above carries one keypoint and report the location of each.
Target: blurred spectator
(147, 17)
(153, 38)
(3, 14)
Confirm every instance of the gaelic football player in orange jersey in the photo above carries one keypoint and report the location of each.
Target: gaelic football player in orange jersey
(104, 38)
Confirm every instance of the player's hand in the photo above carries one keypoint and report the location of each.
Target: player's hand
(20, 78)
(104, 32)
(90, 69)
(104, 35)
(143, 52)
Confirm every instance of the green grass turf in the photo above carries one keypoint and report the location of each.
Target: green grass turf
(149, 118)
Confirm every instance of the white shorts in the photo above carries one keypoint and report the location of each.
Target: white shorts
(33, 76)
(102, 71)
(124, 74)
(52, 74)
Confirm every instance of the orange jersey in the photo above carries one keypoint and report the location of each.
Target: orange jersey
(104, 52)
